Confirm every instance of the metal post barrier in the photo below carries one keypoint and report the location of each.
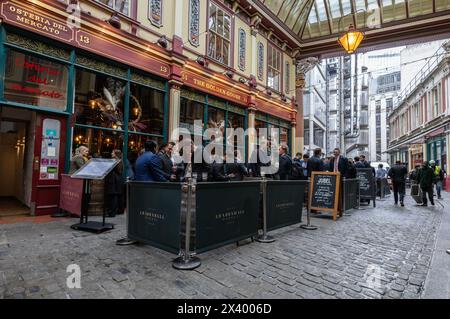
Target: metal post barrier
(188, 261)
(126, 241)
(264, 238)
(344, 200)
(308, 225)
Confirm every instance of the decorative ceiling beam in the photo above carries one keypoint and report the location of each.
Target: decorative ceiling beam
(310, 3)
(327, 10)
(381, 11)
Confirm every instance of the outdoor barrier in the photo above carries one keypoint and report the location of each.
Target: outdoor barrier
(350, 194)
(192, 218)
(226, 213)
(284, 202)
(154, 214)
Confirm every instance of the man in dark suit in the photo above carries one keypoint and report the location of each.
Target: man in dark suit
(315, 163)
(165, 153)
(398, 175)
(285, 169)
(149, 165)
(339, 163)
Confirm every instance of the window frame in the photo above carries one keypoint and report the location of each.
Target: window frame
(230, 40)
(270, 46)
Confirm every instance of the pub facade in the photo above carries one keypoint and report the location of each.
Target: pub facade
(113, 74)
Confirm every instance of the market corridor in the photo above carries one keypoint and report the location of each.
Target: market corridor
(374, 253)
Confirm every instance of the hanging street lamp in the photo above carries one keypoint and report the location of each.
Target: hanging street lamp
(351, 40)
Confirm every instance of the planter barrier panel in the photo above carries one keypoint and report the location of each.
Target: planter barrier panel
(350, 194)
(226, 213)
(284, 200)
(154, 214)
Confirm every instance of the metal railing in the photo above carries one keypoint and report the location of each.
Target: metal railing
(427, 69)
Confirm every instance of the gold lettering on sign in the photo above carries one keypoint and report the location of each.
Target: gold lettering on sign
(37, 22)
(216, 89)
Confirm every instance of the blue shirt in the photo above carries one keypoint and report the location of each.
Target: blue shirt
(149, 168)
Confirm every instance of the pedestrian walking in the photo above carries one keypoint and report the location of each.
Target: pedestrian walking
(398, 174)
(439, 177)
(425, 179)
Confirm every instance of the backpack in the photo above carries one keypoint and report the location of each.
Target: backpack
(297, 171)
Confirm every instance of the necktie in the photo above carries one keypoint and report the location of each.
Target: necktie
(336, 164)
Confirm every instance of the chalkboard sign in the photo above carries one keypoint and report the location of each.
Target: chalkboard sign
(324, 192)
(96, 168)
(367, 183)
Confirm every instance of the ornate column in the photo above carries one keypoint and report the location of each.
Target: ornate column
(302, 67)
(174, 108)
(251, 125)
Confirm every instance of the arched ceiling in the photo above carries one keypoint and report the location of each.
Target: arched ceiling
(318, 22)
(310, 19)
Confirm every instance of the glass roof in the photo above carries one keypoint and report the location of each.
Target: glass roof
(311, 19)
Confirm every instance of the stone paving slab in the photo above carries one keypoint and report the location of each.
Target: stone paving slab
(374, 253)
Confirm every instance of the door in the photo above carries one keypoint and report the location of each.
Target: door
(48, 164)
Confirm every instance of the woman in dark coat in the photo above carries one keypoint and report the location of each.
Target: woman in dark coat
(114, 188)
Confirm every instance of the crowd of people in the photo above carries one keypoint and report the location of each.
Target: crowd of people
(160, 164)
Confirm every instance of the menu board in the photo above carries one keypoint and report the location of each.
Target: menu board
(367, 183)
(96, 168)
(324, 192)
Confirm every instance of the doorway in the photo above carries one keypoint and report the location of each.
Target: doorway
(15, 177)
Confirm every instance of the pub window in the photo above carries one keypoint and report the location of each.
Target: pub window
(122, 6)
(146, 110)
(35, 81)
(101, 143)
(190, 111)
(219, 37)
(99, 100)
(274, 69)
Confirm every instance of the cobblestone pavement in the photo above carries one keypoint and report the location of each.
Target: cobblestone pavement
(375, 253)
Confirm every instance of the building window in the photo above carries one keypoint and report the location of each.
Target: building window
(122, 6)
(260, 61)
(194, 22)
(274, 69)
(35, 81)
(219, 37)
(242, 49)
(155, 12)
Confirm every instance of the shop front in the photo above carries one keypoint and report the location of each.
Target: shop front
(80, 87)
(56, 94)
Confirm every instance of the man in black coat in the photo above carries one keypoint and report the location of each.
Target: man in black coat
(426, 178)
(398, 174)
(165, 154)
(285, 169)
(339, 163)
(315, 163)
